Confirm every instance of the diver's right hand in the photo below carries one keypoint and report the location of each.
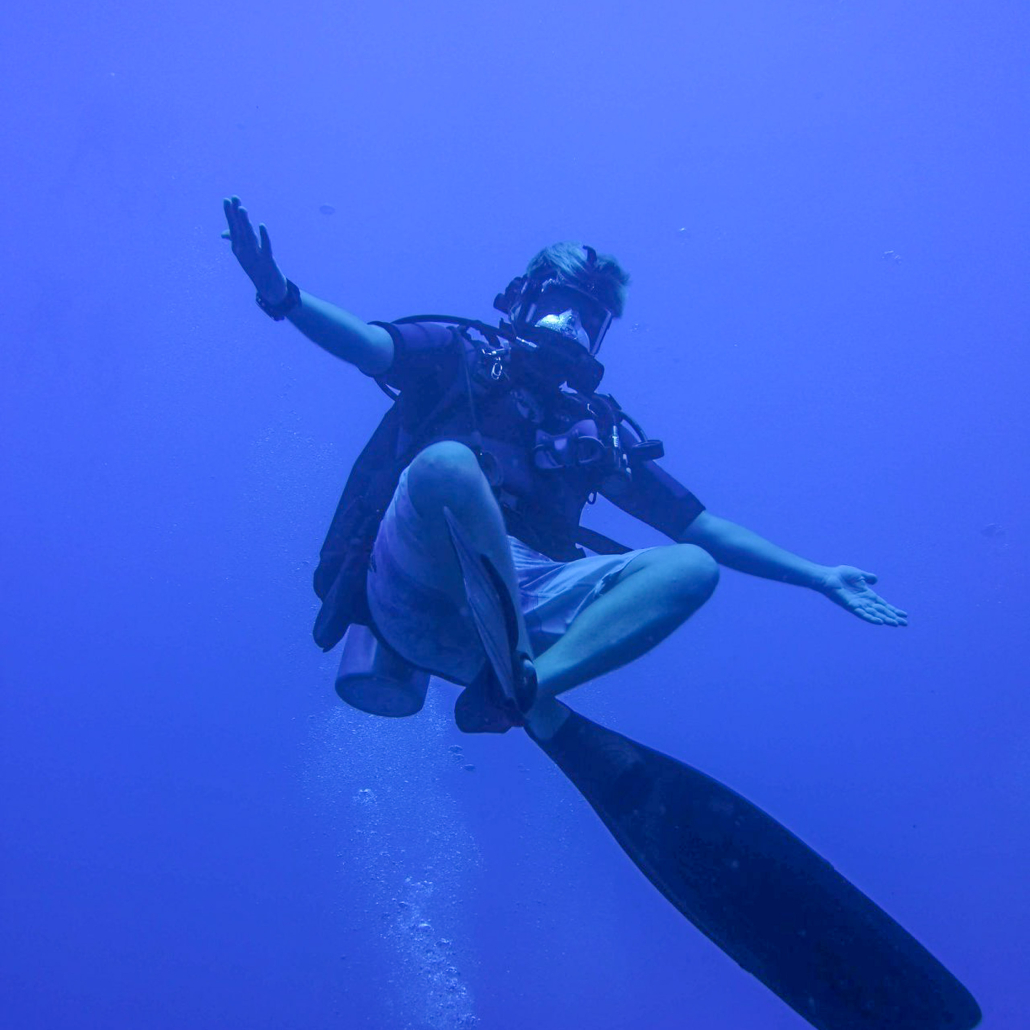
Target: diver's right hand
(255, 257)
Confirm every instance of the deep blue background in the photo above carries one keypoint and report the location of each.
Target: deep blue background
(825, 210)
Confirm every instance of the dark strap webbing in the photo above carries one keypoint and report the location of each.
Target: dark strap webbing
(599, 543)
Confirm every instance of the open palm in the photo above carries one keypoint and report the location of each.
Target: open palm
(253, 254)
(851, 589)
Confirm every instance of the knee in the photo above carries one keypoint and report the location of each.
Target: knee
(443, 473)
(692, 572)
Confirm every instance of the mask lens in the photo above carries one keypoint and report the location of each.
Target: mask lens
(592, 321)
(594, 318)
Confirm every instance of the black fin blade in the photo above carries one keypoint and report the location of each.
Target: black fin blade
(493, 621)
(774, 905)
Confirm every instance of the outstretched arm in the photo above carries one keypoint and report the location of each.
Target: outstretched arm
(739, 548)
(344, 335)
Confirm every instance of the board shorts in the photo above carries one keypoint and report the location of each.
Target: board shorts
(428, 628)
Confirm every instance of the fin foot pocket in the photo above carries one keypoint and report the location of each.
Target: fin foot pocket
(525, 683)
(482, 706)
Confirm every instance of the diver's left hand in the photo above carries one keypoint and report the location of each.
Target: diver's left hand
(850, 588)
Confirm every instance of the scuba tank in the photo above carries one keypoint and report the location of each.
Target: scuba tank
(375, 679)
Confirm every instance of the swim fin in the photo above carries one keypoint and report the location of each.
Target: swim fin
(774, 905)
(505, 689)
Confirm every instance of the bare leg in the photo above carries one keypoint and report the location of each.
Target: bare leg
(655, 594)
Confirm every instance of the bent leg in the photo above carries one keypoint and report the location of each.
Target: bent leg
(417, 593)
(415, 561)
(654, 595)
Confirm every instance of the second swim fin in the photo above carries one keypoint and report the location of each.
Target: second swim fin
(774, 905)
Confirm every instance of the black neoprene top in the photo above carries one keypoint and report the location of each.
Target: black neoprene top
(542, 507)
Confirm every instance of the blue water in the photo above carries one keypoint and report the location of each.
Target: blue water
(824, 207)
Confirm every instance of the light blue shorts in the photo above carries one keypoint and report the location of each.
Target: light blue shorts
(428, 628)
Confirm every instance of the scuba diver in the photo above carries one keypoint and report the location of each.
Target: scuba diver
(456, 550)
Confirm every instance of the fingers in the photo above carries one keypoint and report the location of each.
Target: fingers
(890, 614)
(231, 206)
(872, 615)
(246, 229)
(266, 243)
(240, 230)
(868, 605)
(882, 614)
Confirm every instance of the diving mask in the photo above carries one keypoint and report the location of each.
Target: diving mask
(568, 312)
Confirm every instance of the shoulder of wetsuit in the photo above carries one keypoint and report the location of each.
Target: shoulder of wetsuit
(492, 332)
(496, 340)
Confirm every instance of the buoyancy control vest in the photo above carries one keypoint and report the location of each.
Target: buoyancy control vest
(340, 577)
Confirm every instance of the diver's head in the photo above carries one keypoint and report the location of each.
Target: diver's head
(568, 290)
